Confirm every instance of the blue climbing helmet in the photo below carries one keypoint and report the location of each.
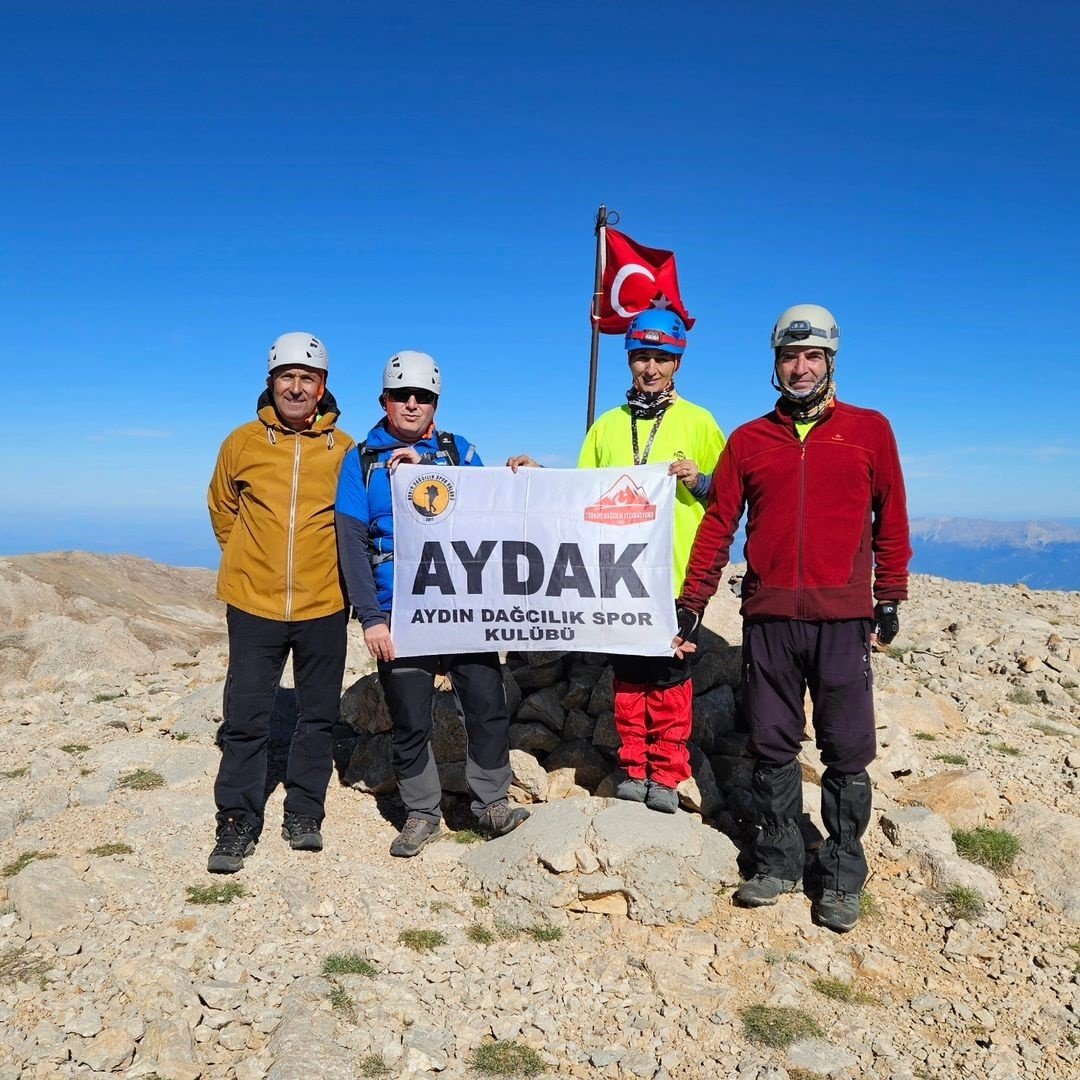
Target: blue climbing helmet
(657, 328)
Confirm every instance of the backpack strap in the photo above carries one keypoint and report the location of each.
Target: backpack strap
(444, 440)
(368, 459)
(448, 446)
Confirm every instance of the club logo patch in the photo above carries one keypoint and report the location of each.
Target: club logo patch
(431, 496)
(624, 503)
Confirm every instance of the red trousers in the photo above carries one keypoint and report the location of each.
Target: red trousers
(654, 724)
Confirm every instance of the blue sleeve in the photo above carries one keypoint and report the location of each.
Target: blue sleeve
(352, 496)
(700, 490)
(352, 539)
(467, 454)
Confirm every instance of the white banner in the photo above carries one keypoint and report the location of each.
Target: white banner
(489, 560)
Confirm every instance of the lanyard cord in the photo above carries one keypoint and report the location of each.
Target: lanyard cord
(642, 459)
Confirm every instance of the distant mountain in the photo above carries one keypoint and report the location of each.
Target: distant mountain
(1041, 554)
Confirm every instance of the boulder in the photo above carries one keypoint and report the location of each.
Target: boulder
(965, 798)
(50, 895)
(602, 699)
(530, 779)
(533, 737)
(580, 686)
(610, 857)
(539, 670)
(363, 706)
(930, 713)
(369, 764)
(714, 717)
(581, 759)
(1049, 855)
(545, 706)
(448, 739)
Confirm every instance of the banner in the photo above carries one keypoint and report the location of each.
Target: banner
(488, 560)
(636, 277)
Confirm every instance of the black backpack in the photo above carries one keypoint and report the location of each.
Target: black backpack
(443, 439)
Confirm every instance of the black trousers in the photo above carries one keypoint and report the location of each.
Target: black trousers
(258, 649)
(781, 660)
(409, 685)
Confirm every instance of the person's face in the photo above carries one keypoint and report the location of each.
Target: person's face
(652, 370)
(799, 369)
(409, 412)
(296, 392)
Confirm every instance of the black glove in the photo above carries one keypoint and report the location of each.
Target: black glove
(886, 622)
(688, 621)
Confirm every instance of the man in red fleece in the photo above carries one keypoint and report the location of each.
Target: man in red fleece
(826, 537)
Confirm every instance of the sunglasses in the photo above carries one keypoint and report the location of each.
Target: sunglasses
(402, 394)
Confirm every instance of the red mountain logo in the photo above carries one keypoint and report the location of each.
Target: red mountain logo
(624, 503)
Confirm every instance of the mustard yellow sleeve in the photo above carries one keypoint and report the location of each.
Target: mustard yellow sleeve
(223, 496)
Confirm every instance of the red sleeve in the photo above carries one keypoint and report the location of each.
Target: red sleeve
(891, 537)
(715, 534)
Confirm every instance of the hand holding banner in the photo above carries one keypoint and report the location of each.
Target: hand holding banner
(543, 559)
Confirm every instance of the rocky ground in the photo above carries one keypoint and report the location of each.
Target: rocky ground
(600, 935)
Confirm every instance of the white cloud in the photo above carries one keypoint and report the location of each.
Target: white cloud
(128, 433)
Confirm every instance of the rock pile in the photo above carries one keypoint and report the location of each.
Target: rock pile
(599, 936)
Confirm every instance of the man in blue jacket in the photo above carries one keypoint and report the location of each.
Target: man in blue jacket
(407, 433)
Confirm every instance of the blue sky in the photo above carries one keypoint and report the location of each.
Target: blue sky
(185, 182)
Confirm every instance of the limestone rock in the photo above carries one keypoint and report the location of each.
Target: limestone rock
(110, 1050)
(965, 798)
(896, 754)
(928, 713)
(50, 895)
(129, 659)
(529, 777)
(1049, 854)
(666, 866)
(820, 1057)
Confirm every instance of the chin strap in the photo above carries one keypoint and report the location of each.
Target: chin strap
(815, 402)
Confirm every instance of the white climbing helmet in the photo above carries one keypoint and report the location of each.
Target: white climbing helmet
(809, 325)
(298, 348)
(414, 369)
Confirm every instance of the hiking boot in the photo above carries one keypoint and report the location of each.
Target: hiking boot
(501, 818)
(838, 911)
(632, 790)
(763, 890)
(235, 842)
(416, 833)
(301, 832)
(664, 799)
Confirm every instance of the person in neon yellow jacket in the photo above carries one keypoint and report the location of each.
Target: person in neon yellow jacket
(653, 694)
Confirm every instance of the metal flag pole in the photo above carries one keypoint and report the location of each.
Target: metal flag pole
(603, 219)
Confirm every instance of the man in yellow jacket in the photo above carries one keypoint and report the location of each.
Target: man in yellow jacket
(271, 502)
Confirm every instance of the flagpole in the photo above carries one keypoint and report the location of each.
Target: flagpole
(598, 292)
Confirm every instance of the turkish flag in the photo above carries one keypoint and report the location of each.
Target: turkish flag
(635, 278)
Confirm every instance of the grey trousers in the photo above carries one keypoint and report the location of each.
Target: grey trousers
(409, 686)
